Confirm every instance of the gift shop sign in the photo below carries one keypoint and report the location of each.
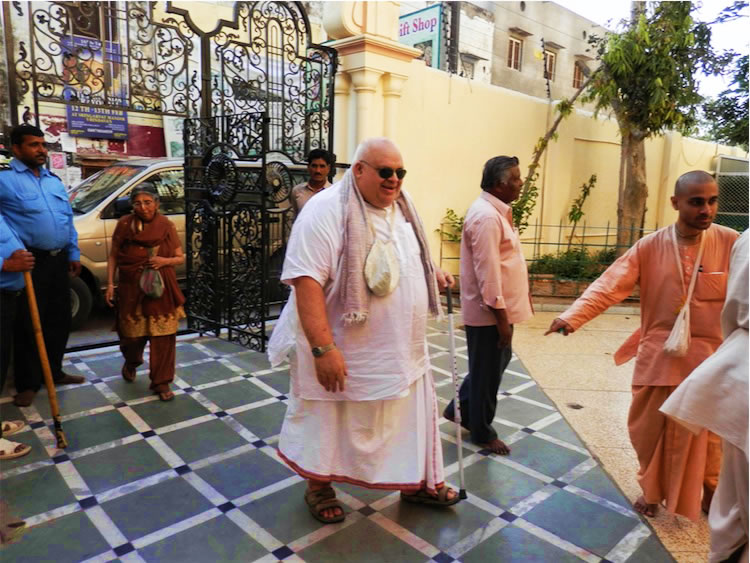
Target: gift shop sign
(423, 29)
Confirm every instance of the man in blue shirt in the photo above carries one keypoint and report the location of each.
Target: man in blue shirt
(35, 205)
(14, 259)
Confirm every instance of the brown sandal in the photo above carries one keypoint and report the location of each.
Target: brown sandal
(165, 396)
(321, 499)
(423, 497)
(127, 373)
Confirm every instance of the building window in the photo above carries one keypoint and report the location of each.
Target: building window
(577, 76)
(515, 52)
(550, 63)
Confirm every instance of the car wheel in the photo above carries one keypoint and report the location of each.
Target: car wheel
(81, 301)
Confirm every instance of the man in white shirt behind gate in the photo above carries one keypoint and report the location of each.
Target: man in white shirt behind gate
(362, 407)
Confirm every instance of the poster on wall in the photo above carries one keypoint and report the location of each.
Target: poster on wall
(84, 57)
(423, 29)
(58, 165)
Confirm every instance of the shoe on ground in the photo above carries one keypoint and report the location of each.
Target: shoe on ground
(24, 398)
(67, 379)
(11, 427)
(12, 450)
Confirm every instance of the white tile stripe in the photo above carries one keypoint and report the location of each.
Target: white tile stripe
(476, 537)
(322, 533)
(106, 527)
(556, 541)
(628, 545)
(404, 535)
(176, 528)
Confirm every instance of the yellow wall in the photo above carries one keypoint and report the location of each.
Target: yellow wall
(449, 126)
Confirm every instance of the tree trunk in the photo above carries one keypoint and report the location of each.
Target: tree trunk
(632, 204)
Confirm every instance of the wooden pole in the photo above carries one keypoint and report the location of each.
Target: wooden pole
(44, 360)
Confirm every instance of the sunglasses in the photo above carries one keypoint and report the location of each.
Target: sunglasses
(387, 172)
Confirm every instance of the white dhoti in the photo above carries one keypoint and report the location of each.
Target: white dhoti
(384, 444)
(728, 517)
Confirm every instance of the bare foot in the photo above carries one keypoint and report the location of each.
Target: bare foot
(642, 507)
(326, 512)
(708, 495)
(496, 446)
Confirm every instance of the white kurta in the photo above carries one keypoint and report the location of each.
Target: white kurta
(715, 396)
(382, 431)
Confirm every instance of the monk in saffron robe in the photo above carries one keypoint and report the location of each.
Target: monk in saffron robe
(674, 464)
(362, 407)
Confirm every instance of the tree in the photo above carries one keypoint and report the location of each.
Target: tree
(647, 78)
(726, 117)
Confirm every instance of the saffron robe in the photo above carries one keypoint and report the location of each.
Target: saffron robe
(670, 469)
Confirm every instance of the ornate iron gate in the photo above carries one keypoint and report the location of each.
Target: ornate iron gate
(257, 96)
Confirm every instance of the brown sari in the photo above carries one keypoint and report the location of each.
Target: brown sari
(139, 315)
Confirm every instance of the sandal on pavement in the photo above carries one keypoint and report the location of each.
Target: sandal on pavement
(10, 427)
(12, 450)
(423, 497)
(165, 396)
(321, 499)
(127, 373)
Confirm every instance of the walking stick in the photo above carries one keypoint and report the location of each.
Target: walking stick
(44, 360)
(456, 400)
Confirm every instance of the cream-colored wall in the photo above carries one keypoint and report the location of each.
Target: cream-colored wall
(447, 127)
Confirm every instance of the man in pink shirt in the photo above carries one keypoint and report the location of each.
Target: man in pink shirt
(494, 296)
(674, 464)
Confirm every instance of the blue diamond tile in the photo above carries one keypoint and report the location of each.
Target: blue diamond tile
(61, 458)
(189, 389)
(259, 443)
(36, 425)
(182, 469)
(528, 430)
(88, 502)
(506, 393)
(282, 397)
(226, 507)
(367, 510)
(97, 380)
(221, 414)
(123, 549)
(283, 552)
(507, 516)
(120, 405)
(443, 558)
(148, 433)
(560, 484)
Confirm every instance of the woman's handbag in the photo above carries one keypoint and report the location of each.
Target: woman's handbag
(151, 282)
(679, 339)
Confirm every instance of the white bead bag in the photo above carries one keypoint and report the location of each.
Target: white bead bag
(678, 342)
(382, 269)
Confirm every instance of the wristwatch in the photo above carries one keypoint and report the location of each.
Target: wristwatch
(318, 351)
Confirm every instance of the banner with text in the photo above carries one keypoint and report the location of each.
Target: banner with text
(423, 29)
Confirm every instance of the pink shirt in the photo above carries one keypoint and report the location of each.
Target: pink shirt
(651, 263)
(493, 269)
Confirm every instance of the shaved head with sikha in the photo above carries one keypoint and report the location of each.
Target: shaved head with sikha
(696, 199)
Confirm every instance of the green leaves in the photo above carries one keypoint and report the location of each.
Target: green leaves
(649, 69)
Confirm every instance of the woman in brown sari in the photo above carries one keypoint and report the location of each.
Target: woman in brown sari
(140, 318)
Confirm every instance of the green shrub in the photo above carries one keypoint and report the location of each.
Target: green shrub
(574, 264)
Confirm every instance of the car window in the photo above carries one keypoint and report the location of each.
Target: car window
(87, 195)
(170, 186)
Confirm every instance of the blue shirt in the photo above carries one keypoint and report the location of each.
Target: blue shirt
(9, 243)
(37, 209)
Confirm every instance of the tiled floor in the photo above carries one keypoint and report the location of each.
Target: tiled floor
(199, 479)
